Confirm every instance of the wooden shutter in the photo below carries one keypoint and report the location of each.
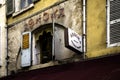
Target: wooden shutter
(10, 6)
(114, 21)
(26, 56)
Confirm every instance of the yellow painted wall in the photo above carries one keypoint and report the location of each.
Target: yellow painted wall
(40, 5)
(96, 30)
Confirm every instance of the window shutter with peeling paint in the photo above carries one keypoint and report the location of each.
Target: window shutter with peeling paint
(26, 56)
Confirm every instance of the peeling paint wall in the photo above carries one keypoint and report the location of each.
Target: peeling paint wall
(68, 14)
(3, 41)
(62, 14)
(97, 30)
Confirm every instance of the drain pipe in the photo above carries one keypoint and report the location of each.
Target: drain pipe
(108, 22)
(53, 39)
(84, 28)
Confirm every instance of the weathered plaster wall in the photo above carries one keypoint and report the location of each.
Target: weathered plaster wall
(3, 41)
(97, 30)
(69, 17)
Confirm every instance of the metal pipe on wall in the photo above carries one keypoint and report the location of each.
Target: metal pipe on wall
(53, 40)
(84, 27)
(108, 22)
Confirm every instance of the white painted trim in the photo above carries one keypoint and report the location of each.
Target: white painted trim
(25, 9)
(17, 5)
(114, 21)
(115, 44)
(108, 23)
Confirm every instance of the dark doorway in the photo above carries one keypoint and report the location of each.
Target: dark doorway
(45, 47)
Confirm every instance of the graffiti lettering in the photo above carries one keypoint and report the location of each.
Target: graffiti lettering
(45, 16)
(31, 23)
(57, 14)
(54, 14)
(61, 13)
(38, 20)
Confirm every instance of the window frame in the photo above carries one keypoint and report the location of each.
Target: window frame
(23, 10)
(16, 7)
(109, 23)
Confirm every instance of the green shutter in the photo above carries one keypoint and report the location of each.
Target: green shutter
(10, 6)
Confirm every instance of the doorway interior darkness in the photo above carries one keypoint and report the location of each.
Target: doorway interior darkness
(42, 44)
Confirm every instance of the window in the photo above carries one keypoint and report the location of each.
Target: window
(113, 23)
(25, 3)
(18, 6)
(22, 4)
(42, 46)
(10, 6)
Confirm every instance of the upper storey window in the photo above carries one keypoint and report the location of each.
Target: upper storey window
(113, 23)
(16, 7)
(25, 3)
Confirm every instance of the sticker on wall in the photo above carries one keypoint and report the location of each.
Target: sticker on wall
(73, 40)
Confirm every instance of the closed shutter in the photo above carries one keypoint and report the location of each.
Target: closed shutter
(114, 22)
(10, 6)
(26, 56)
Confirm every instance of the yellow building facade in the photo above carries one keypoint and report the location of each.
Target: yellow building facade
(88, 18)
(97, 29)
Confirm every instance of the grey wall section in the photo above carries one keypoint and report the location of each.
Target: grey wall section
(3, 39)
(67, 14)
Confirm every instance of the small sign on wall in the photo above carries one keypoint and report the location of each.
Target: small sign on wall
(26, 49)
(25, 41)
(73, 40)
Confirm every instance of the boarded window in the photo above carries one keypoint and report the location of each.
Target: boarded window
(113, 22)
(10, 6)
